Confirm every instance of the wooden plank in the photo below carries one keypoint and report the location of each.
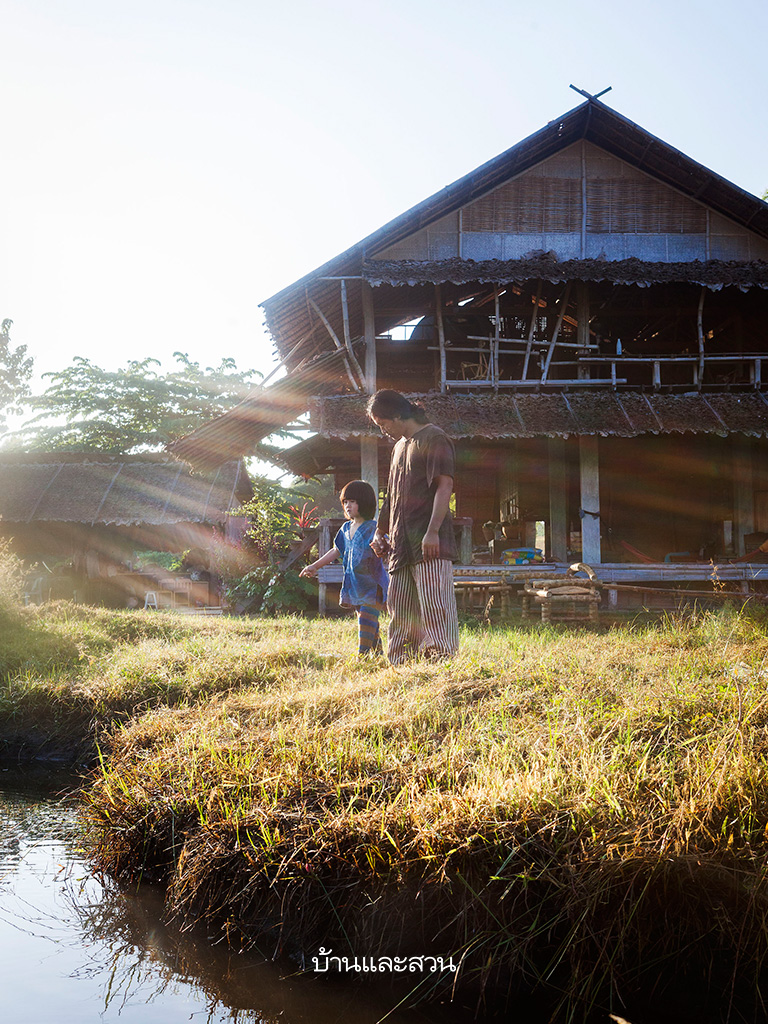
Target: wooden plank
(547, 384)
(295, 553)
(522, 341)
(734, 358)
(608, 572)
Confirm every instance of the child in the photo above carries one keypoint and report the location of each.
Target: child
(364, 580)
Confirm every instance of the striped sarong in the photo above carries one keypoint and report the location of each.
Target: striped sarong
(422, 608)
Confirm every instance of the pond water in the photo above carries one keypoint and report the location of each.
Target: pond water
(74, 949)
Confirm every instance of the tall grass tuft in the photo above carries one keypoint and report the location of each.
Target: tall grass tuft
(11, 582)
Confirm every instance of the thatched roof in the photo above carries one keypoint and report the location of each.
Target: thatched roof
(714, 274)
(625, 414)
(123, 491)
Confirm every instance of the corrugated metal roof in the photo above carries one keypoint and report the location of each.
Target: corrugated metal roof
(607, 413)
(290, 318)
(119, 492)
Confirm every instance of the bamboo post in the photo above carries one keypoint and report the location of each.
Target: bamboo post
(369, 331)
(495, 342)
(556, 332)
(440, 337)
(582, 329)
(350, 361)
(700, 330)
(532, 331)
(369, 446)
(345, 313)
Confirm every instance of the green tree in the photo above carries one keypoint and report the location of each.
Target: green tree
(15, 371)
(134, 408)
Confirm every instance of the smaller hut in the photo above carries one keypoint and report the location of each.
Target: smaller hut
(84, 518)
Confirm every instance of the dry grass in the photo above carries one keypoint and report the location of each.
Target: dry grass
(582, 815)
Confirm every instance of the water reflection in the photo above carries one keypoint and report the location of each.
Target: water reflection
(74, 949)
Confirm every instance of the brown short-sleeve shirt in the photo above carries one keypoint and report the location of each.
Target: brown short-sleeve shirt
(416, 464)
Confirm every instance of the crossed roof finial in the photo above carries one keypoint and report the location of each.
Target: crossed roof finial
(589, 95)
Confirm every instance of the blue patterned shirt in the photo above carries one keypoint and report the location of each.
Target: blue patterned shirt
(364, 579)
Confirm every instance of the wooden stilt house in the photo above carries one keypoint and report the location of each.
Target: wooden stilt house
(586, 316)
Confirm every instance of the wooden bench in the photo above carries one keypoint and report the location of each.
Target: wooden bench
(478, 597)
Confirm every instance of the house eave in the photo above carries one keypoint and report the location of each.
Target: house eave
(560, 414)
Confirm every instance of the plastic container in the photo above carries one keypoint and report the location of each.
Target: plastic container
(521, 556)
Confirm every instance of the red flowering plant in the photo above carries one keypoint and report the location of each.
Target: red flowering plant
(305, 518)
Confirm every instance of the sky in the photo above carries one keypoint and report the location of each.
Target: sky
(169, 164)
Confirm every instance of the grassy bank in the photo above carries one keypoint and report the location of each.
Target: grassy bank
(579, 817)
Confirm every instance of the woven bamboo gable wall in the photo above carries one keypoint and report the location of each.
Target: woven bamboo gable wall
(582, 203)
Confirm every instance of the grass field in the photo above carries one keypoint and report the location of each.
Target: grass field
(579, 817)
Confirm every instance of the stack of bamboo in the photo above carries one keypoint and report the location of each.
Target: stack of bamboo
(565, 598)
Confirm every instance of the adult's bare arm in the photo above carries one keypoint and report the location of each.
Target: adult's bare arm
(379, 539)
(430, 545)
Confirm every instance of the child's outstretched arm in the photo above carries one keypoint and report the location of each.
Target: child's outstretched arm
(311, 570)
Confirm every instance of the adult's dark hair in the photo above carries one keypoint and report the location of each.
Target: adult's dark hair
(363, 494)
(391, 405)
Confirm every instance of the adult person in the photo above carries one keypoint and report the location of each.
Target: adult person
(416, 531)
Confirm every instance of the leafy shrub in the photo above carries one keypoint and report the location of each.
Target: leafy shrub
(287, 592)
(273, 592)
